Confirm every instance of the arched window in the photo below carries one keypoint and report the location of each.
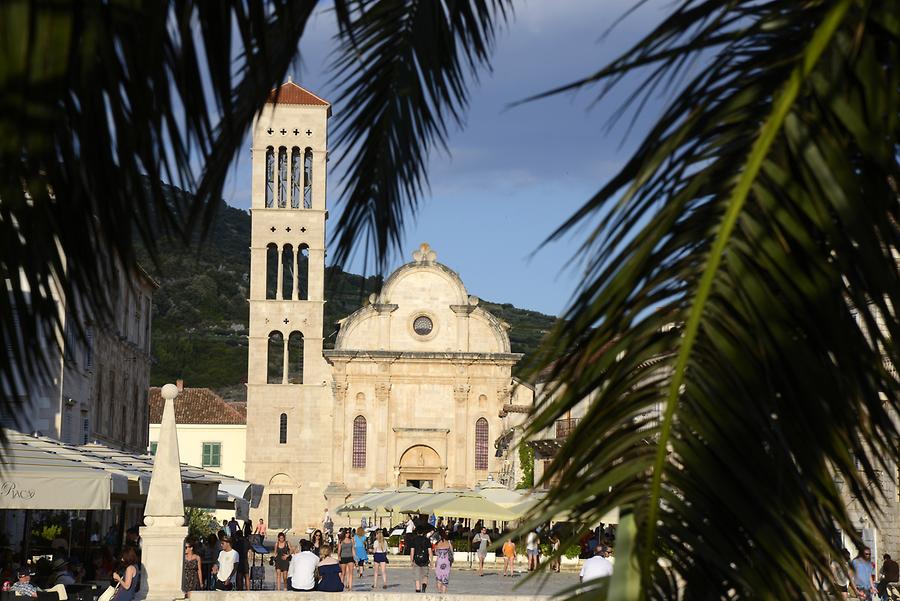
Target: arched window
(270, 177)
(282, 429)
(275, 358)
(282, 177)
(359, 441)
(481, 444)
(296, 177)
(307, 178)
(295, 358)
(271, 270)
(303, 272)
(288, 285)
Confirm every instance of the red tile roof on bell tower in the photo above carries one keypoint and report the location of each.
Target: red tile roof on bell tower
(291, 93)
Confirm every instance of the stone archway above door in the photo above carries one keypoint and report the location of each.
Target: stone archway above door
(421, 466)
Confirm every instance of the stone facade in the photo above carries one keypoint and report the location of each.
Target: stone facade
(98, 388)
(421, 374)
(412, 392)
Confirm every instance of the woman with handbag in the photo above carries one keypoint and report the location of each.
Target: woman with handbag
(282, 562)
(128, 578)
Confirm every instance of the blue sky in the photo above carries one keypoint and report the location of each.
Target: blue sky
(512, 174)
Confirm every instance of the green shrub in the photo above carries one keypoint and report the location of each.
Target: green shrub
(199, 522)
(48, 532)
(394, 541)
(526, 461)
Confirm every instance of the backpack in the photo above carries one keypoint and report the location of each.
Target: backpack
(420, 555)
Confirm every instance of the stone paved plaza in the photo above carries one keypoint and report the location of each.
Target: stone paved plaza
(463, 581)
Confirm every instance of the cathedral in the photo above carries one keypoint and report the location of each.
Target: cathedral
(413, 391)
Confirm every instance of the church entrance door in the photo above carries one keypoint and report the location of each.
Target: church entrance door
(280, 507)
(421, 467)
(423, 484)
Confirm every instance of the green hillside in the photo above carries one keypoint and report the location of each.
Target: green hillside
(200, 310)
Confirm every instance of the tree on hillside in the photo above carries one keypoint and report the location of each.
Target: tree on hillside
(736, 317)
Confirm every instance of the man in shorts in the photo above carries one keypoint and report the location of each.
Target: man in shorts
(420, 557)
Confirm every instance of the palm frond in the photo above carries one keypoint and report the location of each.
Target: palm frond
(100, 102)
(735, 324)
(403, 71)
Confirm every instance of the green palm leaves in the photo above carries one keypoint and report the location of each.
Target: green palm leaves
(99, 103)
(735, 326)
(403, 71)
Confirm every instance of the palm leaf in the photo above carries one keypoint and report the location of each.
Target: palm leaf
(735, 325)
(100, 102)
(402, 72)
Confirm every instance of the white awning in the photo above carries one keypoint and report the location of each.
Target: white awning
(34, 478)
(29, 461)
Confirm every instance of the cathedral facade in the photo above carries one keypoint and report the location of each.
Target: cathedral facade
(413, 390)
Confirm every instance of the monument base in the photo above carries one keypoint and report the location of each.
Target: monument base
(162, 558)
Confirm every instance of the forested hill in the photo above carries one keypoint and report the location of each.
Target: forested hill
(200, 310)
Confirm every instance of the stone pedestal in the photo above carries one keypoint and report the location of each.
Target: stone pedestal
(164, 531)
(162, 555)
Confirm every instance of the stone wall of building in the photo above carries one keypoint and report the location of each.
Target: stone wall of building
(98, 388)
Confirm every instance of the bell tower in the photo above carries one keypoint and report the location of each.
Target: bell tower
(288, 381)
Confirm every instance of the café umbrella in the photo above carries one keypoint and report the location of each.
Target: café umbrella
(474, 507)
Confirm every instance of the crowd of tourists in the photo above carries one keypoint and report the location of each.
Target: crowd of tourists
(333, 561)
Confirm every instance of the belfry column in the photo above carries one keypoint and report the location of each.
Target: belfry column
(280, 279)
(296, 278)
(285, 361)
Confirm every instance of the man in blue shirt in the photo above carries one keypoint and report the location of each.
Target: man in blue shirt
(864, 574)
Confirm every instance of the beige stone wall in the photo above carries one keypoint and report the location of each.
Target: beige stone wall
(301, 466)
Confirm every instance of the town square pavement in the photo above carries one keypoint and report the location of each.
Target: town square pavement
(463, 581)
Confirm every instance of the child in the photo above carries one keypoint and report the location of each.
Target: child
(509, 557)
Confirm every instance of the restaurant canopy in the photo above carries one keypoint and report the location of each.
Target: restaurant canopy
(38, 472)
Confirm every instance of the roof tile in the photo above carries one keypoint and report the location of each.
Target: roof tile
(196, 406)
(291, 93)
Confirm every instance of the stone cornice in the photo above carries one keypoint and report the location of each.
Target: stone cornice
(462, 309)
(345, 355)
(439, 430)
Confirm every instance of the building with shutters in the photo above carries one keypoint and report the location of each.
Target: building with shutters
(413, 390)
(211, 433)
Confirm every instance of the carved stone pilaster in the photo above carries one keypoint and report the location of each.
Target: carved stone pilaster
(461, 393)
(503, 395)
(382, 391)
(340, 390)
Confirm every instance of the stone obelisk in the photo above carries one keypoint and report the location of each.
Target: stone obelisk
(164, 531)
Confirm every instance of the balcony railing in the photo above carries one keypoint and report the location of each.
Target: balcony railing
(564, 427)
